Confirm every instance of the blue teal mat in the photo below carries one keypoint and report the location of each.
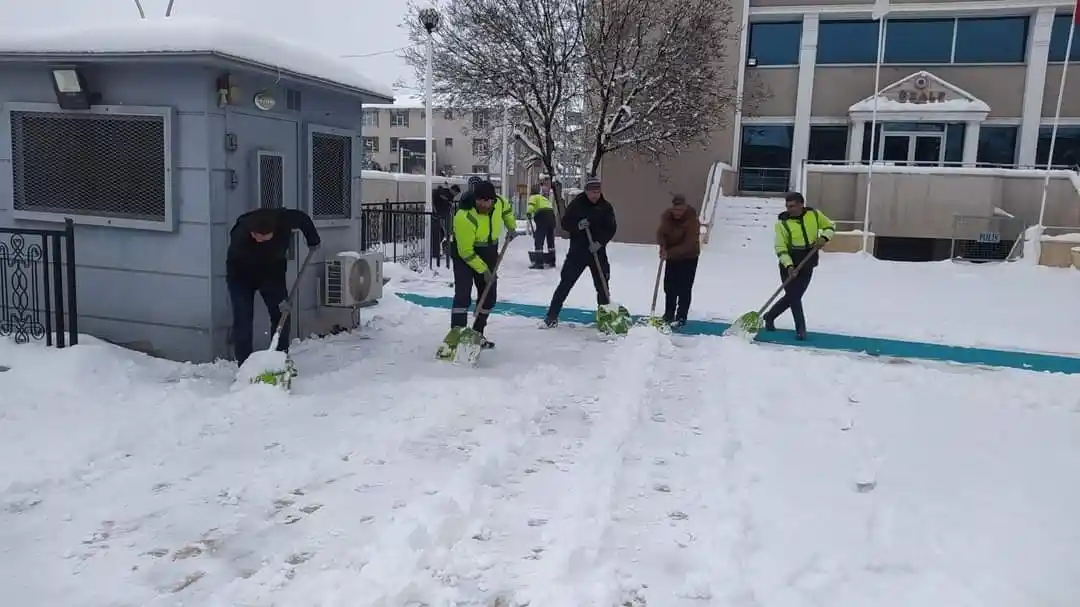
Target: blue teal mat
(874, 346)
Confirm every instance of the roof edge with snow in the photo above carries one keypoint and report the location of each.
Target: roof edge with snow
(186, 37)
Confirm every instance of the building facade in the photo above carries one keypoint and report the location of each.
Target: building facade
(463, 139)
(962, 83)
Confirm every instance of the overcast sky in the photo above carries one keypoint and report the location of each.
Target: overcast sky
(335, 27)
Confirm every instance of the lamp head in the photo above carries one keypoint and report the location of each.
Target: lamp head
(429, 18)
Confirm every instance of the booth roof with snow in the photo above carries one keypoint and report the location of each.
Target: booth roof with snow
(153, 136)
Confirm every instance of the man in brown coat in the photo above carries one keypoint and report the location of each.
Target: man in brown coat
(679, 237)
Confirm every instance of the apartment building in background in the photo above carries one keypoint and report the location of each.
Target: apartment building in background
(462, 138)
(968, 83)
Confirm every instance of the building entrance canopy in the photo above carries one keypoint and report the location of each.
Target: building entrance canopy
(919, 98)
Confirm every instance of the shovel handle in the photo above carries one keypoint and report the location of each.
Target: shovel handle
(292, 290)
(599, 268)
(788, 280)
(656, 288)
(487, 287)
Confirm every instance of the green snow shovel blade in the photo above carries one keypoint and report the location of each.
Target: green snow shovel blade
(448, 348)
(469, 347)
(611, 319)
(281, 378)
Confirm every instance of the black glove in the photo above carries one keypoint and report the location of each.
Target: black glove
(594, 247)
(284, 306)
(488, 277)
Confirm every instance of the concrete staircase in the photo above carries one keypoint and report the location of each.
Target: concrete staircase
(742, 221)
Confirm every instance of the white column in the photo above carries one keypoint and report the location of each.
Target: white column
(855, 139)
(971, 143)
(740, 83)
(800, 141)
(1034, 84)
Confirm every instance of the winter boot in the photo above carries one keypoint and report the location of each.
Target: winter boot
(549, 259)
(550, 322)
(536, 260)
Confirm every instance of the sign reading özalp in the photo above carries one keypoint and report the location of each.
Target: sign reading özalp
(920, 92)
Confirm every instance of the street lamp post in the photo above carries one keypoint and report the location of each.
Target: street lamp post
(429, 18)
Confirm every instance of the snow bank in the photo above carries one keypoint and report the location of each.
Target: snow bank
(260, 362)
(190, 35)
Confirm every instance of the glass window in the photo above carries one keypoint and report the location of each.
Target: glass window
(954, 142)
(847, 42)
(775, 43)
(765, 157)
(1000, 40)
(997, 146)
(1059, 37)
(866, 142)
(1066, 148)
(921, 41)
(828, 144)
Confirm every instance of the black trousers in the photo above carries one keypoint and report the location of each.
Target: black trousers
(792, 299)
(242, 298)
(679, 277)
(465, 278)
(575, 263)
(544, 220)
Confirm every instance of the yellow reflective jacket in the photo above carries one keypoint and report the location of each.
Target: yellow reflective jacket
(475, 229)
(795, 236)
(537, 202)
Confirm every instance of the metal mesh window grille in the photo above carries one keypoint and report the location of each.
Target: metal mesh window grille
(331, 176)
(271, 181)
(90, 164)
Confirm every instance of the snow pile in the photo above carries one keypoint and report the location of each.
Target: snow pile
(260, 363)
(191, 35)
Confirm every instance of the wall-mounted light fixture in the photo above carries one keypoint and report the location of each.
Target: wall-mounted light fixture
(69, 85)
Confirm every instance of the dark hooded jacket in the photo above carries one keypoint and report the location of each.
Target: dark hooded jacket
(601, 216)
(256, 262)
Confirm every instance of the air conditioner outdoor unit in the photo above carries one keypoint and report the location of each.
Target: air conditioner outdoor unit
(352, 279)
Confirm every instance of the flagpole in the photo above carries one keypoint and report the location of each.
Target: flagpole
(873, 121)
(1057, 118)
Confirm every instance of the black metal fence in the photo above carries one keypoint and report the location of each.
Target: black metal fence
(397, 230)
(37, 285)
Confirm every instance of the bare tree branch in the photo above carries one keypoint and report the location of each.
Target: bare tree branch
(657, 73)
(491, 52)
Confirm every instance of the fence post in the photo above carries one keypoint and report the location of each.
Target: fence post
(46, 266)
(72, 298)
(58, 289)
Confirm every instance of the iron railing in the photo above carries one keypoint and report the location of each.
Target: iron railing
(762, 179)
(397, 230)
(37, 285)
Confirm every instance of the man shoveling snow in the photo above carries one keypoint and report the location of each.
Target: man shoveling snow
(590, 221)
(257, 262)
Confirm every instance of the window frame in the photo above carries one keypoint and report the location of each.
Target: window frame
(985, 127)
(166, 114)
(354, 169)
(869, 24)
(750, 42)
(364, 118)
(1063, 18)
(395, 114)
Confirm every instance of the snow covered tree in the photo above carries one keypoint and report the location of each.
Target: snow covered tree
(658, 74)
(492, 52)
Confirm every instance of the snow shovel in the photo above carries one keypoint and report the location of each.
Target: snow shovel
(465, 343)
(653, 320)
(270, 366)
(749, 324)
(611, 318)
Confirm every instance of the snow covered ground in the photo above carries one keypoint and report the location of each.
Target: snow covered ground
(565, 471)
(1011, 306)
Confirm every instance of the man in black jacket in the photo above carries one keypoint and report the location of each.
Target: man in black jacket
(587, 210)
(257, 262)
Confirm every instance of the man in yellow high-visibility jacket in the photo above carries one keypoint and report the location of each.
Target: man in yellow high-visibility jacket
(542, 214)
(800, 231)
(478, 223)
